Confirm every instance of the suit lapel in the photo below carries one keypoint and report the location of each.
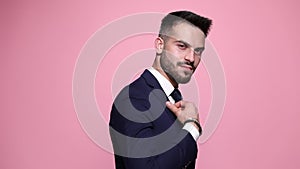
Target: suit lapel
(154, 84)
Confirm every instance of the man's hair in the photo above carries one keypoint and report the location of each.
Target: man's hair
(177, 17)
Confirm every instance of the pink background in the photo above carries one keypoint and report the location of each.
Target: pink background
(257, 41)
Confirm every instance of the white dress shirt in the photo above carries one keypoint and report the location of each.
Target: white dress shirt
(168, 89)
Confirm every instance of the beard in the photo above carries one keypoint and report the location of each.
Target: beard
(169, 68)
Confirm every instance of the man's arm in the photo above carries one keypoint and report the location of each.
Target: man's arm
(183, 153)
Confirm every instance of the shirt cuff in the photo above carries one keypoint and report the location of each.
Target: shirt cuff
(192, 130)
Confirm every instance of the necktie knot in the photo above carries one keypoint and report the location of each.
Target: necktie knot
(176, 95)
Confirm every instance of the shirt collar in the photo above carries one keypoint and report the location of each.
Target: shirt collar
(164, 83)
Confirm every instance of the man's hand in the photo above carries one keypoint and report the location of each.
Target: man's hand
(184, 110)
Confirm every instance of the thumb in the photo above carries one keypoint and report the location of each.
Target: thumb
(178, 104)
(172, 107)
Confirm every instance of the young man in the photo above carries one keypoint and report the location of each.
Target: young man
(151, 125)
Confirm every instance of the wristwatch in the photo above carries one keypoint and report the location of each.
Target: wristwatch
(195, 121)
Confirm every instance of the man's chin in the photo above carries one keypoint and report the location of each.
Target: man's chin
(183, 80)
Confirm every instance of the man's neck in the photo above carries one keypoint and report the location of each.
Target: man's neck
(162, 72)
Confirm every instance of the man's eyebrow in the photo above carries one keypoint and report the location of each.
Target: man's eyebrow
(187, 44)
(200, 48)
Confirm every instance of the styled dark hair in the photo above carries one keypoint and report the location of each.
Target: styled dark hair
(176, 17)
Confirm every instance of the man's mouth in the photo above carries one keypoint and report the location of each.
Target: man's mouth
(187, 66)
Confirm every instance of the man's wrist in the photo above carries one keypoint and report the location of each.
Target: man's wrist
(190, 127)
(195, 122)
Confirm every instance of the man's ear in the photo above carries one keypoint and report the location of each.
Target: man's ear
(159, 45)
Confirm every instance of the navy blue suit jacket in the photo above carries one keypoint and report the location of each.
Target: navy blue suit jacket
(182, 155)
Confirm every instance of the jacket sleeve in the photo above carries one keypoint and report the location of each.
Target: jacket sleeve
(178, 156)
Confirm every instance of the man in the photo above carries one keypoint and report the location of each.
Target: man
(151, 126)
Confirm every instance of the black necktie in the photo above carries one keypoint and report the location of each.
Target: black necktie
(176, 95)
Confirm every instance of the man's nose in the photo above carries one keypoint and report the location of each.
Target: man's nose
(190, 55)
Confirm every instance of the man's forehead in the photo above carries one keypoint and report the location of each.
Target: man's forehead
(187, 33)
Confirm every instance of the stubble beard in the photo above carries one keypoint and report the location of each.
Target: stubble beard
(170, 69)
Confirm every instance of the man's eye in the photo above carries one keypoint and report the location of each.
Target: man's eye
(198, 51)
(182, 46)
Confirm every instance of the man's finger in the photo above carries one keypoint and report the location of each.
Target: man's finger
(172, 107)
(178, 104)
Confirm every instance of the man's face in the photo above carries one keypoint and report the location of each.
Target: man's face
(182, 52)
